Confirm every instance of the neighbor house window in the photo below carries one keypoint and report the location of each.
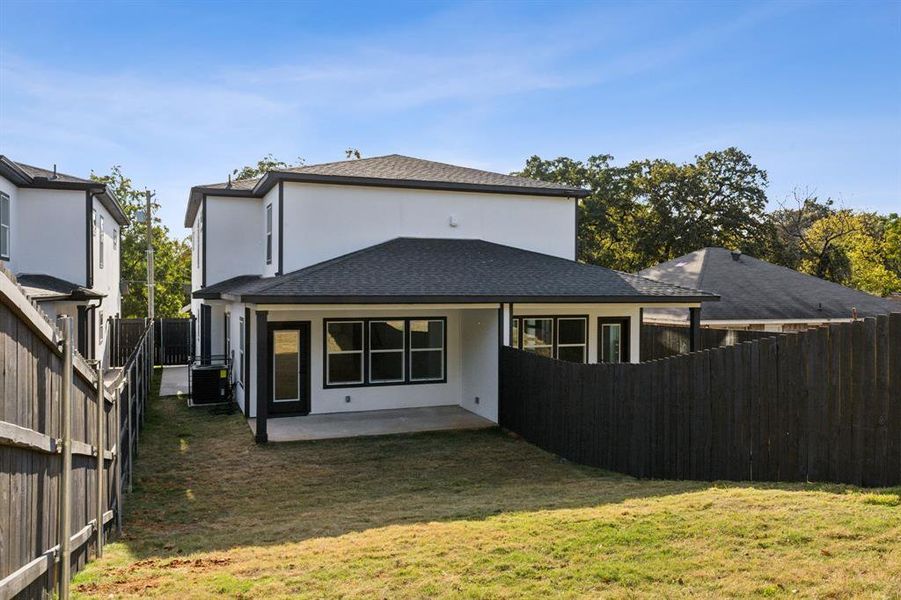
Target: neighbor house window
(426, 350)
(563, 338)
(101, 242)
(386, 351)
(102, 325)
(115, 238)
(241, 337)
(344, 352)
(4, 226)
(268, 234)
(613, 340)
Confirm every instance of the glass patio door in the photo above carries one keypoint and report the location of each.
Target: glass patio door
(289, 365)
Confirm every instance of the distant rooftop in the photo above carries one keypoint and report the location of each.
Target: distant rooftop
(753, 289)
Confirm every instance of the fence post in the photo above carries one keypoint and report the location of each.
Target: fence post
(65, 484)
(128, 399)
(101, 445)
(118, 458)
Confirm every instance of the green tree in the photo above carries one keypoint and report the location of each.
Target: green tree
(172, 256)
(654, 210)
(263, 166)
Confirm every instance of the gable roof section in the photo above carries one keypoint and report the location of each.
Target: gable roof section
(753, 289)
(28, 176)
(432, 270)
(393, 170)
(40, 287)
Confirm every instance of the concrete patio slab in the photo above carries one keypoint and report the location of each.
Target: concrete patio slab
(375, 422)
(175, 381)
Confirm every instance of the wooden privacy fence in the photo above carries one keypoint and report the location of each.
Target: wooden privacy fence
(60, 495)
(663, 341)
(819, 405)
(125, 335)
(174, 341)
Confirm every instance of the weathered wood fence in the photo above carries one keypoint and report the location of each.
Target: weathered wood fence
(36, 495)
(819, 405)
(663, 341)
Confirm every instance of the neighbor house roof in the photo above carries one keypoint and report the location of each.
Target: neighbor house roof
(42, 287)
(753, 289)
(28, 176)
(393, 170)
(429, 270)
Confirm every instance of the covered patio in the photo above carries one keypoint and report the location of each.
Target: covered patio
(371, 422)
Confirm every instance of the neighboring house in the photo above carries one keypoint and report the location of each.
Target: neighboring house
(59, 235)
(391, 282)
(755, 294)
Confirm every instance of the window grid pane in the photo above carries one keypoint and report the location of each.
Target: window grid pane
(538, 336)
(572, 342)
(344, 347)
(386, 351)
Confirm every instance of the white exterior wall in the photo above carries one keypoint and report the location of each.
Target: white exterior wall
(12, 191)
(479, 343)
(233, 244)
(325, 221)
(50, 235)
(107, 278)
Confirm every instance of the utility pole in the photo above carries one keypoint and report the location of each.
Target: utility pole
(151, 284)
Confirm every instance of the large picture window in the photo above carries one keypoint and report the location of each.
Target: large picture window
(4, 226)
(383, 351)
(560, 337)
(426, 350)
(386, 351)
(344, 352)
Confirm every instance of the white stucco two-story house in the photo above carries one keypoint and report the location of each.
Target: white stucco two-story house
(391, 282)
(59, 235)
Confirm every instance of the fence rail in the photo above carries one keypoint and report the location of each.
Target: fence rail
(663, 341)
(819, 405)
(104, 424)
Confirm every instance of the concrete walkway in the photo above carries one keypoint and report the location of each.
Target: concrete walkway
(175, 381)
(375, 422)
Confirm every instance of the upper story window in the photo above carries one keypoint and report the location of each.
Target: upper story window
(100, 248)
(115, 239)
(4, 226)
(268, 234)
(94, 223)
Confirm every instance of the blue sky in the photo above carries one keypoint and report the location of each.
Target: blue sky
(181, 93)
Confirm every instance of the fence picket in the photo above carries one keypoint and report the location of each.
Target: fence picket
(823, 404)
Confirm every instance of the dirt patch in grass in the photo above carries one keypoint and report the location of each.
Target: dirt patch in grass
(471, 514)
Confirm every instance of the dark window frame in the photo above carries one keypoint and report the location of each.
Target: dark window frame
(5, 199)
(366, 383)
(242, 342)
(626, 329)
(555, 334)
(269, 234)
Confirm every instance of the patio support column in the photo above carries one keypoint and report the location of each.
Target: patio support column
(262, 326)
(694, 329)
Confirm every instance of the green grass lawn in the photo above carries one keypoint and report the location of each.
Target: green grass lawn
(469, 514)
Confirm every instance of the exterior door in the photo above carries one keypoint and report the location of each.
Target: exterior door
(289, 368)
(613, 340)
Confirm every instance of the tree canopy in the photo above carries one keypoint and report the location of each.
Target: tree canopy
(172, 256)
(654, 210)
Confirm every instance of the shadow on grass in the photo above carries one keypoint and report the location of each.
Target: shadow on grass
(203, 485)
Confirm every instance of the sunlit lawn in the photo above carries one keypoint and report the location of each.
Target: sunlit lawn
(472, 514)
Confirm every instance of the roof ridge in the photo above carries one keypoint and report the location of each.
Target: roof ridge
(298, 168)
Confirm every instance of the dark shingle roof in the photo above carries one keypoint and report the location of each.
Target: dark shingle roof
(393, 170)
(753, 289)
(39, 173)
(450, 270)
(46, 287)
(24, 175)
